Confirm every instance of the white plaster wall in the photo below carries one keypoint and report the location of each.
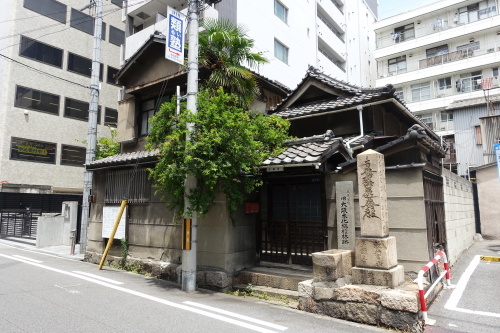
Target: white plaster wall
(47, 127)
(459, 214)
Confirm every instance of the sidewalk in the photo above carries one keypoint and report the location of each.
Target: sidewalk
(30, 245)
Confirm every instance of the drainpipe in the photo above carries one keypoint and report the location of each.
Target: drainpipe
(348, 143)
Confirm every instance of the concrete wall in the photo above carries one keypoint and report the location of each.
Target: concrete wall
(459, 214)
(407, 222)
(154, 233)
(56, 230)
(488, 187)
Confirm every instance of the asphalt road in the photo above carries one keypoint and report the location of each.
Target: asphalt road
(43, 293)
(473, 303)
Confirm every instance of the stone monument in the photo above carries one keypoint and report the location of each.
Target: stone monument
(345, 215)
(376, 255)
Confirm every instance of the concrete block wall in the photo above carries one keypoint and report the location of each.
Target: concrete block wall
(459, 214)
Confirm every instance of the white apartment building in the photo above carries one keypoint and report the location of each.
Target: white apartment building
(443, 59)
(46, 48)
(335, 36)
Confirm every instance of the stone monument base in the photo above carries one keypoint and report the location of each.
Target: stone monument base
(379, 277)
(374, 305)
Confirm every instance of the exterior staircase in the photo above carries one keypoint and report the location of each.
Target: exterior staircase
(273, 279)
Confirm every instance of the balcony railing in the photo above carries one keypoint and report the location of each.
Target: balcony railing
(458, 86)
(417, 64)
(446, 21)
(335, 31)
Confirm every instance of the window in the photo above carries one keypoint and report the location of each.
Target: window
(71, 155)
(399, 94)
(403, 33)
(79, 110)
(116, 36)
(479, 137)
(426, 118)
(436, 51)
(477, 11)
(85, 23)
(469, 82)
(110, 78)
(147, 112)
(119, 3)
(134, 185)
(444, 83)
(110, 117)
(397, 65)
(420, 92)
(494, 71)
(32, 99)
(470, 47)
(280, 11)
(50, 8)
(446, 121)
(281, 51)
(82, 65)
(32, 151)
(47, 54)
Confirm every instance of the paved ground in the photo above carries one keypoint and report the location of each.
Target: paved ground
(473, 305)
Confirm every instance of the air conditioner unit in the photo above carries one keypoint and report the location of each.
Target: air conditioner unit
(490, 50)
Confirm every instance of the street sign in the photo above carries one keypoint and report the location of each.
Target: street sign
(497, 157)
(175, 36)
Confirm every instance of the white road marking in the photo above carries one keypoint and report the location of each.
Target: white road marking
(26, 258)
(98, 277)
(452, 302)
(236, 315)
(452, 325)
(71, 291)
(152, 298)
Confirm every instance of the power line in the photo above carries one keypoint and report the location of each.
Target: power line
(42, 72)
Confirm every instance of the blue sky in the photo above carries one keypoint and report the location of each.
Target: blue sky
(388, 8)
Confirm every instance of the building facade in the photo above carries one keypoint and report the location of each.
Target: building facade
(441, 55)
(45, 64)
(335, 36)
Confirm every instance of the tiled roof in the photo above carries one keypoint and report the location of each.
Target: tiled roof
(124, 159)
(331, 104)
(314, 149)
(470, 102)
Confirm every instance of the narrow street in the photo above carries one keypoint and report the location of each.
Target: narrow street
(43, 293)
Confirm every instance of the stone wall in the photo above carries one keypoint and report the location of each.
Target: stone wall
(406, 206)
(459, 214)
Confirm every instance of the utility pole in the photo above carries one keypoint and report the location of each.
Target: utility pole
(189, 256)
(92, 123)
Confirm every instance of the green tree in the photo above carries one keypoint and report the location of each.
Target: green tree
(225, 150)
(107, 146)
(225, 49)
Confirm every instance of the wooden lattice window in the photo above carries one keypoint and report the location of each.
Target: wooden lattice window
(129, 183)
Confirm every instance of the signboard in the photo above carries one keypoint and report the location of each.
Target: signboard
(33, 151)
(109, 214)
(497, 157)
(175, 36)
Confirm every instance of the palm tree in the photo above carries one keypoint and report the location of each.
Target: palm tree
(225, 49)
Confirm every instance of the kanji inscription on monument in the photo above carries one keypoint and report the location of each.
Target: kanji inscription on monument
(372, 194)
(345, 215)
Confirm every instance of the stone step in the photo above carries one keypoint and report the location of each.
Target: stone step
(273, 277)
(269, 291)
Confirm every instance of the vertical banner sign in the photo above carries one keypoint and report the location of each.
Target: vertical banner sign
(175, 36)
(497, 157)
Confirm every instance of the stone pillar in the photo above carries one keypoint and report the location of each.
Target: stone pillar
(345, 215)
(376, 254)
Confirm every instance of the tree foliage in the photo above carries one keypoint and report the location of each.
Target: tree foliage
(107, 146)
(225, 49)
(224, 150)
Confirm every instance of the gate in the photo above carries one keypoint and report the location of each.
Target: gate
(434, 213)
(296, 225)
(19, 222)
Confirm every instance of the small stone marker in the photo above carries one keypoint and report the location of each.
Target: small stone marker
(376, 254)
(345, 215)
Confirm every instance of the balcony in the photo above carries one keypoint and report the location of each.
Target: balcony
(329, 8)
(439, 24)
(450, 62)
(325, 29)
